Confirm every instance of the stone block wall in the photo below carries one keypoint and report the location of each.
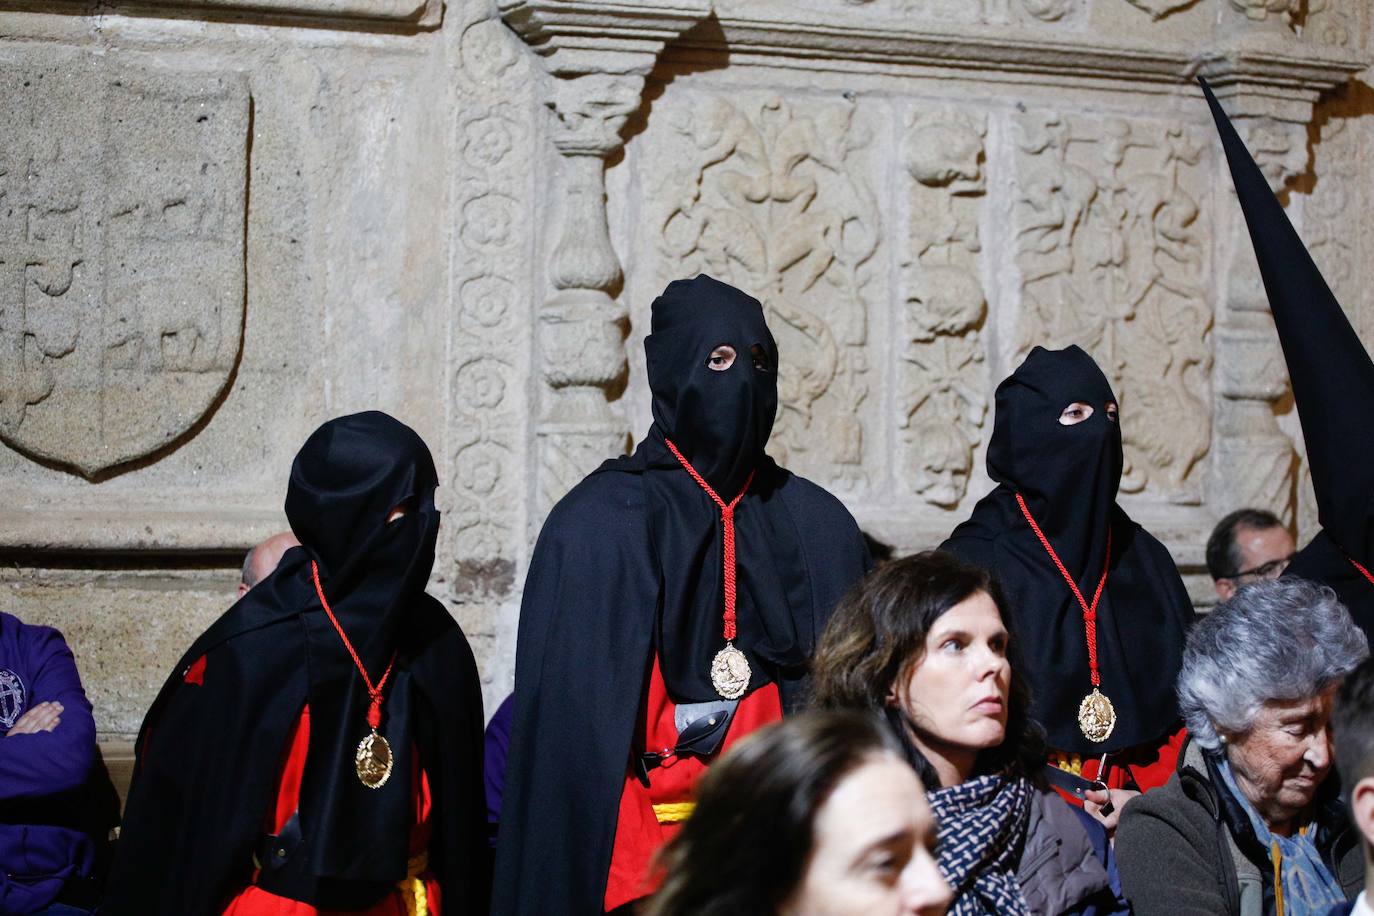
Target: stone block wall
(224, 221)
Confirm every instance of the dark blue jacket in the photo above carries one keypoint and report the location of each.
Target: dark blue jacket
(41, 848)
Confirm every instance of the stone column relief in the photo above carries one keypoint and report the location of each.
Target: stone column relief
(943, 401)
(582, 326)
(1110, 234)
(598, 54)
(777, 199)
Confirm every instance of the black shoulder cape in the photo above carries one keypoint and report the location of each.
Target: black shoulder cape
(1142, 618)
(1333, 385)
(361, 502)
(592, 600)
(208, 755)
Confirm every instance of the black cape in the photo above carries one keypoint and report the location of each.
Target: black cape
(1333, 386)
(1069, 477)
(629, 565)
(209, 753)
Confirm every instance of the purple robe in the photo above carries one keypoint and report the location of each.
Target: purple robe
(38, 857)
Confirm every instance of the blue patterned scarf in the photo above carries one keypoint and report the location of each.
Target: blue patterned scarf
(982, 832)
(1308, 885)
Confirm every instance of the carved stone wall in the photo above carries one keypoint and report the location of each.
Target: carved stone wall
(223, 221)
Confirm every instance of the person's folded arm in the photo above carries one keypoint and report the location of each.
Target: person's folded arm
(50, 762)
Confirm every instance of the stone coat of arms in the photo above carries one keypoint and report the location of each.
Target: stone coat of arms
(122, 204)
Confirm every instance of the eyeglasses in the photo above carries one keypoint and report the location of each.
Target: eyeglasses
(1271, 570)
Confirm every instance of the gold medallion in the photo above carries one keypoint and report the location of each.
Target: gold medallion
(373, 760)
(730, 672)
(1096, 716)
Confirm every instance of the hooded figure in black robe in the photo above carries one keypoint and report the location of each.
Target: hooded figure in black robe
(629, 566)
(1068, 476)
(1333, 387)
(211, 747)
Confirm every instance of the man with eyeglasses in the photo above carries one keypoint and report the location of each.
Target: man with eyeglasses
(1246, 546)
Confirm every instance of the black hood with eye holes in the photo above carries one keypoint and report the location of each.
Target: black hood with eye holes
(1069, 476)
(720, 420)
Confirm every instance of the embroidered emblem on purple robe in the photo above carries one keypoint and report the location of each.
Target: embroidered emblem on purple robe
(11, 698)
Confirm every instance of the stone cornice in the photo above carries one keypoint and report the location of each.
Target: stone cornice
(416, 13)
(1288, 64)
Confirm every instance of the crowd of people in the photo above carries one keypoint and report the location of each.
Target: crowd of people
(725, 703)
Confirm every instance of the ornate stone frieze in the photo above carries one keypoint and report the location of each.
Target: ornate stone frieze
(1110, 243)
(121, 256)
(943, 401)
(777, 199)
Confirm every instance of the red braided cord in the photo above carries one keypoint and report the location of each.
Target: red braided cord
(374, 712)
(727, 520)
(1355, 563)
(1089, 611)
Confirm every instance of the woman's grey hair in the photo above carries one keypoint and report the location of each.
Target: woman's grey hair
(1285, 639)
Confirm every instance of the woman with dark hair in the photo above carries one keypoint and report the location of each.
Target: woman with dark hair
(924, 640)
(816, 815)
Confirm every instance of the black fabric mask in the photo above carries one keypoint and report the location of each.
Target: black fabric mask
(1069, 476)
(720, 420)
(1332, 378)
(344, 483)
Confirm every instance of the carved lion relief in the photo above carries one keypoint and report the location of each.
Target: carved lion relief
(1111, 247)
(777, 200)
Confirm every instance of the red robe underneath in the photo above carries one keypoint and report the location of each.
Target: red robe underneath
(254, 901)
(639, 833)
(1143, 767)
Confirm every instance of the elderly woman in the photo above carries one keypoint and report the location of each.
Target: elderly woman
(1249, 824)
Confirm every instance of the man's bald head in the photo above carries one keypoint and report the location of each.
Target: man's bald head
(262, 559)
